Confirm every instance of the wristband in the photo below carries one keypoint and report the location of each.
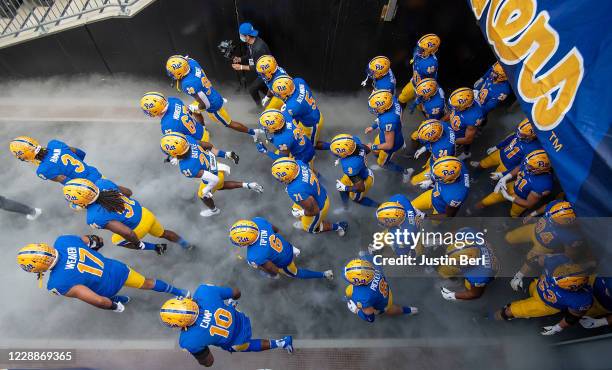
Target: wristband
(374, 147)
(251, 132)
(374, 126)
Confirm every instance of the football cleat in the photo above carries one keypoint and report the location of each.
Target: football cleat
(329, 275)
(234, 157)
(210, 212)
(298, 225)
(288, 344)
(160, 249)
(255, 187)
(296, 252)
(342, 228)
(407, 175)
(121, 299)
(185, 293)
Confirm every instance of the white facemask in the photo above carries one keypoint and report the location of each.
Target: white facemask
(243, 38)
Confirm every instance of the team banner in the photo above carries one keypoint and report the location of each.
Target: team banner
(558, 58)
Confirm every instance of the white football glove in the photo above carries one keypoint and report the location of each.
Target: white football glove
(364, 82)
(418, 153)
(352, 306)
(174, 161)
(505, 194)
(297, 213)
(491, 150)
(337, 162)
(425, 184)
(419, 214)
(120, 308)
(194, 107)
(340, 186)
(232, 302)
(551, 330)
(517, 281)
(496, 175)
(258, 133)
(588, 322)
(447, 294)
(502, 183)
(265, 101)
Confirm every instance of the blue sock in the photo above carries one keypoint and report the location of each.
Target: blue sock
(221, 154)
(309, 274)
(365, 201)
(251, 132)
(274, 343)
(255, 346)
(394, 167)
(183, 243)
(406, 310)
(149, 246)
(324, 145)
(344, 196)
(335, 226)
(163, 287)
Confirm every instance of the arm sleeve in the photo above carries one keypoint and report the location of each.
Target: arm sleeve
(368, 318)
(502, 144)
(225, 292)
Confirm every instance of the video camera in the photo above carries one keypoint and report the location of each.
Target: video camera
(227, 47)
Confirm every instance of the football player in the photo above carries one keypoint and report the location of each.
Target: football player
(191, 79)
(438, 138)
(268, 69)
(78, 270)
(429, 100)
(600, 313)
(368, 293)
(269, 251)
(210, 318)
(556, 232)
(299, 104)
(562, 287)
(476, 277)
(465, 117)
(388, 122)
(509, 153)
(424, 65)
(399, 216)
(357, 178)
(175, 117)
(492, 88)
(379, 70)
(108, 208)
(451, 184)
(311, 203)
(534, 181)
(57, 161)
(196, 162)
(288, 138)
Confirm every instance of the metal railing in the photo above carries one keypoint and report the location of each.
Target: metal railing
(32, 18)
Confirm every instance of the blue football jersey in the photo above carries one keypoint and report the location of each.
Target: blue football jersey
(409, 224)
(482, 274)
(561, 299)
(376, 294)
(490, 94)
(527, 182)
(391, 121)
(60, 160)
(513, 153)
(218, 324)
(602, 291)
(355, 164)
(198, 159)
(292, 138)
(460, 120)
(305, 185)
(301, 105)
(178, 119)
(195, 82)
(386, 82)
(423, 67)
(269, 246)
(444, 146)
(77, 264)
(433, 108)
(451, 195)
(279, 72)
(98, 216)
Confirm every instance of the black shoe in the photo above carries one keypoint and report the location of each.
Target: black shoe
(234, 157)
(160, 249)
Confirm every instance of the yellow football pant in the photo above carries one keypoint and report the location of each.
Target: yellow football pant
(532, 306)
(383, 157)
(421, 175)
(494, 198)
(221, 117)
(313, 132)
(275, 103)
(358, 196)
(148, 225)
(134, 280)
(407, 93)
(423, 201)
(220, 184)
(312, 224)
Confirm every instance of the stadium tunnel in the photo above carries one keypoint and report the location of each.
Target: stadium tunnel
(328, 43)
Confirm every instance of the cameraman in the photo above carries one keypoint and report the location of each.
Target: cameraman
(256, 48)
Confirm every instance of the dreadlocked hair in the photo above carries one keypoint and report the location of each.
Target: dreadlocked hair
(111, 200)
(41, 154)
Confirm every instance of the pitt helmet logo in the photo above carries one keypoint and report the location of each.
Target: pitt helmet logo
(265, 66)
(170, 146)
(379, 67)
(340, 150)
(447, 172)
(176, 65)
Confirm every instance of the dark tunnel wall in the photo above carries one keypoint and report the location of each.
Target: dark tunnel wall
(328, 42)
